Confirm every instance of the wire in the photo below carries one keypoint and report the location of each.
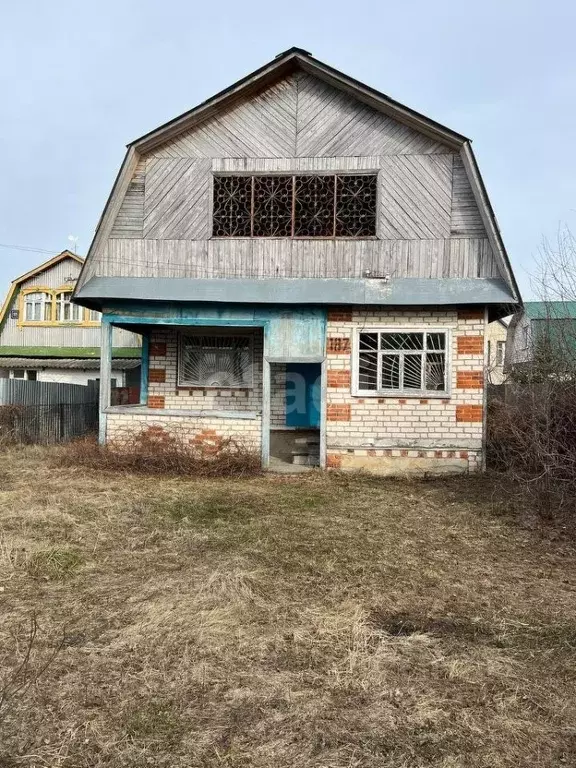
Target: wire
(28, 248)
(138, 267)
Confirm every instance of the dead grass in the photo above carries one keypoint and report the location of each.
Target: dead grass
(314, 621)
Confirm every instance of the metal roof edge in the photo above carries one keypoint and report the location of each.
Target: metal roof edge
(292, 291)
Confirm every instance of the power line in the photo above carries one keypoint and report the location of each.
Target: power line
(29, 249)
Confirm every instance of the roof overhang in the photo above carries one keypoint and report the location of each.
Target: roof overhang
(99, 292)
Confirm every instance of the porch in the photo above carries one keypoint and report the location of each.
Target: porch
(254, 379)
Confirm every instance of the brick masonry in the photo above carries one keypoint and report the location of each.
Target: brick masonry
(338, 412)
(469, 379)
(380, 434)
(470, 345)
(469, 413)
(205, 432)
(337, 345)
(164, 393)
(403, 434)
(338, 379)
(157, 375)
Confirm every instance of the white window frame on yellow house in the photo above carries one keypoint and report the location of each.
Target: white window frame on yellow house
(54, 298)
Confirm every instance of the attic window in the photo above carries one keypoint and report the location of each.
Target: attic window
(38, 307)
(321, 205)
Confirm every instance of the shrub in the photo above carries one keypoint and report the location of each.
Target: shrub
(153, 452)
(532, 439)
(11, 417)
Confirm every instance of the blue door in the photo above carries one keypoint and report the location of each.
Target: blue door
(303, 395)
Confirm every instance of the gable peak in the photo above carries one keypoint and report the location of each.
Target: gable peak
(293, 51)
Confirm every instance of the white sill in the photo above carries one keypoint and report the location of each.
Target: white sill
(183, 413)
(404, 395)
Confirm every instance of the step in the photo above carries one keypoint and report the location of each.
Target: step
(307, 441)
(309, 461)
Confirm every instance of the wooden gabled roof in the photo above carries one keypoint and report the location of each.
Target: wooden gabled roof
(32, 273)
(282, 65)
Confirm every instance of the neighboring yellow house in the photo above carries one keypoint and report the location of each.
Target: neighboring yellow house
(45, 337)
(497, 332)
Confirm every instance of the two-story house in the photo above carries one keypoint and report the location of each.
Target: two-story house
(45, 337)
(543, 333)
(306, 260)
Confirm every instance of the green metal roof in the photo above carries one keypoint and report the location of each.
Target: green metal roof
(69, 352)
(550, 310)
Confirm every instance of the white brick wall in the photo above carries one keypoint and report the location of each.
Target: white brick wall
(382, 434)
(425, 430)
(165, 395)
(124, 426)
(184, 398)
(278, 395)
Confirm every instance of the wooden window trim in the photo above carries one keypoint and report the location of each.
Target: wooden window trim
(85, 322)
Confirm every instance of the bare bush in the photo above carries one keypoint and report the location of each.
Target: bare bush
(20, 673)
(10, 421)
(532, 439)
(532, 430)
(159, 453)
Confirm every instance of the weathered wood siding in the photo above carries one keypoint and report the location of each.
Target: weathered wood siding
(457, 257)
(130, 218)
(465, 219)
(415, 196)
(428, 225)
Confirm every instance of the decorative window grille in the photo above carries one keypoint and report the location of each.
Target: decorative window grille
(295, 206)
(38, 307)
(401, 362)
(66, 312)
(215, 361)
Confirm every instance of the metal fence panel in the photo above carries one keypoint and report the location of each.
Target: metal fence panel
(45, 424)
(46, 412)
(21, 392)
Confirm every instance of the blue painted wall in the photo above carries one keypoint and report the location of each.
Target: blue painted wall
(290, 332)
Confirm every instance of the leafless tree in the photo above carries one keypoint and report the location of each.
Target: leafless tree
(532, 432)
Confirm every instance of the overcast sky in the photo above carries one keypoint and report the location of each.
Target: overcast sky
(79, 80)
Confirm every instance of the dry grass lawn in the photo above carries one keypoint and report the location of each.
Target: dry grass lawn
(311, 621)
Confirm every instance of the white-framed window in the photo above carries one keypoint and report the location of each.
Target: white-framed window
(94, 316)
(500, 350)
(38, 307)
(526, 336)
(21, 373)
(390, 361)
(215, 360)
(66, 312)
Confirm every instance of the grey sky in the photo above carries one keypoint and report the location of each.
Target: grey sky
(81, 79)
